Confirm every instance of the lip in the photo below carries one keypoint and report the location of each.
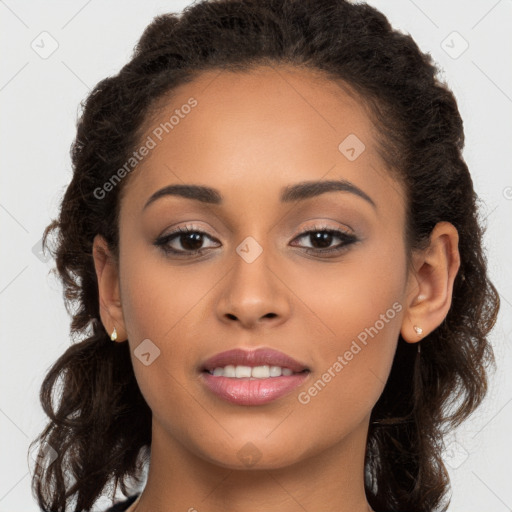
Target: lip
(258, 357)
(249, 390)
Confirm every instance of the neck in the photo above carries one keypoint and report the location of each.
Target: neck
(331, 480)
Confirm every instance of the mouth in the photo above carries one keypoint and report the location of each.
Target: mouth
(252, 377)
(262, 363)
(252, 372)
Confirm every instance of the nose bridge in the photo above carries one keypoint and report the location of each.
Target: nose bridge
(252, 291)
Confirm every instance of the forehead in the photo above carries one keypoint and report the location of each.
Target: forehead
(258, 131)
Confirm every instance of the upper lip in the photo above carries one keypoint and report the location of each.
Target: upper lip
(258, 357)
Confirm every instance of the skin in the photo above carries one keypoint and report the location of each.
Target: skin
(251, 134)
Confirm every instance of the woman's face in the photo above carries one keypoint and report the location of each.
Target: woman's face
(333, 300)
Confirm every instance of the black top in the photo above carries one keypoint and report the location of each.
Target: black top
(123, 505)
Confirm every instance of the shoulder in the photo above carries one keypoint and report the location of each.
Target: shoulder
(122, 505)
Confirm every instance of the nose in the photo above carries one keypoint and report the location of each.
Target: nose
(254, 294)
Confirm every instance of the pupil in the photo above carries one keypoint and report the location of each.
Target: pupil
(323, 238)
(192, 241)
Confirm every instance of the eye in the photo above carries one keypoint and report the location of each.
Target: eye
(188, 241)
(321, 238)
(189, 238)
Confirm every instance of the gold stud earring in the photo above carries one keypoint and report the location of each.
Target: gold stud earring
(418, 330)
(113, 336)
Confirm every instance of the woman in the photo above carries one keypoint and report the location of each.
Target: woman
(273, 238)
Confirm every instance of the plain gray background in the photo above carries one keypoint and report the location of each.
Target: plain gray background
(40, 95)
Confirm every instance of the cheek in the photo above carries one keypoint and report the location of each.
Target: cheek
(166, 304)
(157, 296)
(345, 297)
(359, 308)
(155, 311)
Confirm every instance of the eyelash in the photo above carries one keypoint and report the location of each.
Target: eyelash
(347, 239)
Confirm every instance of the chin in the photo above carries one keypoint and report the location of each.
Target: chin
(244, 453)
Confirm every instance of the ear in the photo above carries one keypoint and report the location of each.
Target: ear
(107, 273)
(430, 283)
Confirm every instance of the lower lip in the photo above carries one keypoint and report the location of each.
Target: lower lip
(250, 391)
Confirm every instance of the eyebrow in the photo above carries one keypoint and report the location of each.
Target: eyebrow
(290, 193)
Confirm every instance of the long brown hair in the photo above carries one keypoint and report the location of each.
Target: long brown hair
(100, 425)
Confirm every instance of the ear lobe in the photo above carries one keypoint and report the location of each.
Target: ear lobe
(107, 274)
(431, 283)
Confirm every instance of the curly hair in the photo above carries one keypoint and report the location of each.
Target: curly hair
(100, 424)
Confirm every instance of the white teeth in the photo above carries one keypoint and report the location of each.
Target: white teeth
(242, 371)
(261, 372)
(275, 371)
(229, 371)
(257, 372)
